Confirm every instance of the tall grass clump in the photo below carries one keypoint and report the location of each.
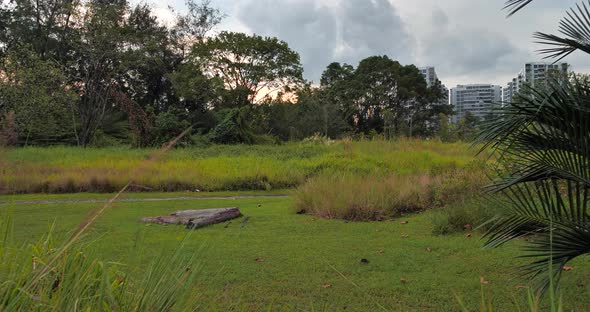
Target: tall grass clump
(32, 280)
(375, 197)
(472, 213)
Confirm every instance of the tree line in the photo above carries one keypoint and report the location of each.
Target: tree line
(105, 72)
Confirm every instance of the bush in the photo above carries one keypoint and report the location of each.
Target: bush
(463, 215)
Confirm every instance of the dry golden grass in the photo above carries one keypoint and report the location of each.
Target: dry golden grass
(375, 197)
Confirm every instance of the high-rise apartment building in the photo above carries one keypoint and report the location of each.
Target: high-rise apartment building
(477, 99)
(429, 74)
(534, 75)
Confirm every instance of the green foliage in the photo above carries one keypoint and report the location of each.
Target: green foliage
(467, 127)
(234, 127)
(35, 280)
(471, 213)
(542, 144)
(259, 65)
(169, 125)
(35, 90)
(382, 95)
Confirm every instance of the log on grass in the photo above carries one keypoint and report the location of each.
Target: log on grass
(194, 219)
(212, 217)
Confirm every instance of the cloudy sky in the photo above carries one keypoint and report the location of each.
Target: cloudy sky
(468, 41)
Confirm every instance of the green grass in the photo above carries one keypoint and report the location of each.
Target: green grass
(217, 168)
(302, 253)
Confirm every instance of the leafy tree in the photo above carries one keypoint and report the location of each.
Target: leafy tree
(35, 91)
(542, 143)
(379, 86)
(97, 60)
(40, 24)
(198, 95)
(317, 114)
(336, 73)
(252, 67)
(234, 127)
(445, 131)
(467, 127)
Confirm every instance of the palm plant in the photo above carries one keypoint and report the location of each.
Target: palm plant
(543, 145)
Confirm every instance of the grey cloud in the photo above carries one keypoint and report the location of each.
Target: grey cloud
(307, 27)
(373, 27)
(476, 51)
(346, 31)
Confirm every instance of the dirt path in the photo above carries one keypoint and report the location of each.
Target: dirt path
(91, 201)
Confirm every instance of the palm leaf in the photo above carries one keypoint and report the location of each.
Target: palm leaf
(514, 6)
(576, 29)
(543, 146)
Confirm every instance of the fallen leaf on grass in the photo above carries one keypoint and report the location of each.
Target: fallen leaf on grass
(380, 251)
(404, 222)
(428, 249)
(483, 281)
(405, 236)
(403, 280)
(326, 285)
(567, 268)
(468, 235)
(260, 259)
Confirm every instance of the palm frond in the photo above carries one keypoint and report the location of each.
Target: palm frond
(543, 144)
(544, 133)
(576, 29)
(514, 6)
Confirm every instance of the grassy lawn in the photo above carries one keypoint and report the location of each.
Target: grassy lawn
(303, 255)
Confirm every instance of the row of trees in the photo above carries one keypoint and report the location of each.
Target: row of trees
(104, 72)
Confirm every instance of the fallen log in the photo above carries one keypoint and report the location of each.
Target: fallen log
(194, 219)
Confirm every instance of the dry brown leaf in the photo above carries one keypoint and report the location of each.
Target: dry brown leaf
(404, 222)
(260, 259)
(567, 268)
(405, 236)
(326, 285)
(403, 280)
(483, 281)
(428, 249)
(380, 251)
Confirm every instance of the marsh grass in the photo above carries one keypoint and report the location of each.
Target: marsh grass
(376, 197)
(217, 168)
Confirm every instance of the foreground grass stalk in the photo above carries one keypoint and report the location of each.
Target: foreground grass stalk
(95, 214)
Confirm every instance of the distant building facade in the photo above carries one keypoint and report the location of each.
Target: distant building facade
(534, 74)
(477, 99)
(429, 74)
